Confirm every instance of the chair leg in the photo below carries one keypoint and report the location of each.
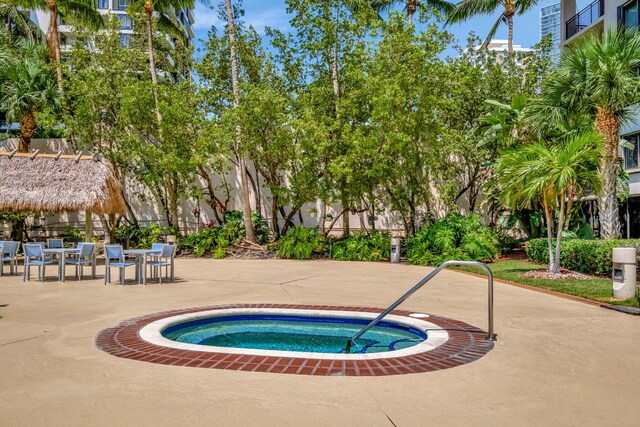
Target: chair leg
(42, 272)
(122, 276)
(24, 272)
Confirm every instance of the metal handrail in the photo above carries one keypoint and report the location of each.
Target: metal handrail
(584, 18)
(490, 335)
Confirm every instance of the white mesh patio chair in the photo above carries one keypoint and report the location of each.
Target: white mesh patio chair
(34, 256)
(114, 258)
(55, 243)
(165, 259)
(9, 253)
(83, 258)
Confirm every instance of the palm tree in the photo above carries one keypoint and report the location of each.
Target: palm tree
(598, 79)
(246, 207)
(410, 6)
(551, 177)
(469, 8)
(27, 86)
(17, 24)
(168, 25)
(79, 11)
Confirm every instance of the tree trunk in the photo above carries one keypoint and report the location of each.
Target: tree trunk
(412, 7)
(108, 225)
(53, 41)
(172, 200)
(556, 268)
(88, 226)
(344, 200)
(148, 11)
(246, 199)
(28, 127)
(274, 216)
(549, 219)
(509, 12)
(608, 125)
(510, 34)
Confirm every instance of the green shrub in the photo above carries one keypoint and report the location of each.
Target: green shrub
(453, 237)
(261, 228)
(234, 230)
(207, 240)
(374, 246)
(585, 256)
(219, 253)
(507, 243)
(301, 243)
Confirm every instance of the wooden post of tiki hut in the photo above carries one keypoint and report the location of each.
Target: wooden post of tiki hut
(54, 183)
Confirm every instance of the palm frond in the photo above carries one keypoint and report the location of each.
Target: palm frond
(82, 11)
(469, 8)
(492, 31)
(171, 27)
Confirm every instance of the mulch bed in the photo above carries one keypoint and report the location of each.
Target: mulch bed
(563, 274)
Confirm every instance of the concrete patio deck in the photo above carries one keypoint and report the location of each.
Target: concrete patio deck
(556, 362)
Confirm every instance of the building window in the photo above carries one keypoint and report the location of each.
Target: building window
(121, 4)
(124, 40)
(630, 14)
(103, 4)
(631, 160)
(125, 22)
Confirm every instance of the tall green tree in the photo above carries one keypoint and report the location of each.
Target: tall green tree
(235, 85)
(550, 177)
(166, 24)
(73, 11)
(467, 9)
(596, 78)
(112, 105)
(27, 86)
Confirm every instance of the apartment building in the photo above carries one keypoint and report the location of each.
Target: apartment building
(578, 20)
(115, 7)
(550, 24)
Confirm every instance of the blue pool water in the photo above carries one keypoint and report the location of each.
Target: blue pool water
(293, 333)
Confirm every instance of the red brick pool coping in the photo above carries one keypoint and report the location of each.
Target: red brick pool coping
(466, 344)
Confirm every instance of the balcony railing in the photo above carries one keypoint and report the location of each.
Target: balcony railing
(584, 18)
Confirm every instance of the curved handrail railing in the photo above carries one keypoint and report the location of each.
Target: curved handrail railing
(490, 335)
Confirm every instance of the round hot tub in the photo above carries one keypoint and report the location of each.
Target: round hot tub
(296, 339)
(293, 332)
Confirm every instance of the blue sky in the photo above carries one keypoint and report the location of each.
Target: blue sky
(272, 13)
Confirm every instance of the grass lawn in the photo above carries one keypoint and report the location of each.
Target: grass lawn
(594, 288)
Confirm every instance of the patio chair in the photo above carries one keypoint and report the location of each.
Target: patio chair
(114, 258)
(82, 258)
(9, 253)
(55, 243)
(165, 259)
(33, 256)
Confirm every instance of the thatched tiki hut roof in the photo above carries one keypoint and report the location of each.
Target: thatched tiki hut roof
(58, 183)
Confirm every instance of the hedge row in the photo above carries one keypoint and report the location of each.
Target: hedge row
(585, 256)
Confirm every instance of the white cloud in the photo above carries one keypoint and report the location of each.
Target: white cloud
(205, 17)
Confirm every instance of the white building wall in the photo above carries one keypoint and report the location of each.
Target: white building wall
(148, 212)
